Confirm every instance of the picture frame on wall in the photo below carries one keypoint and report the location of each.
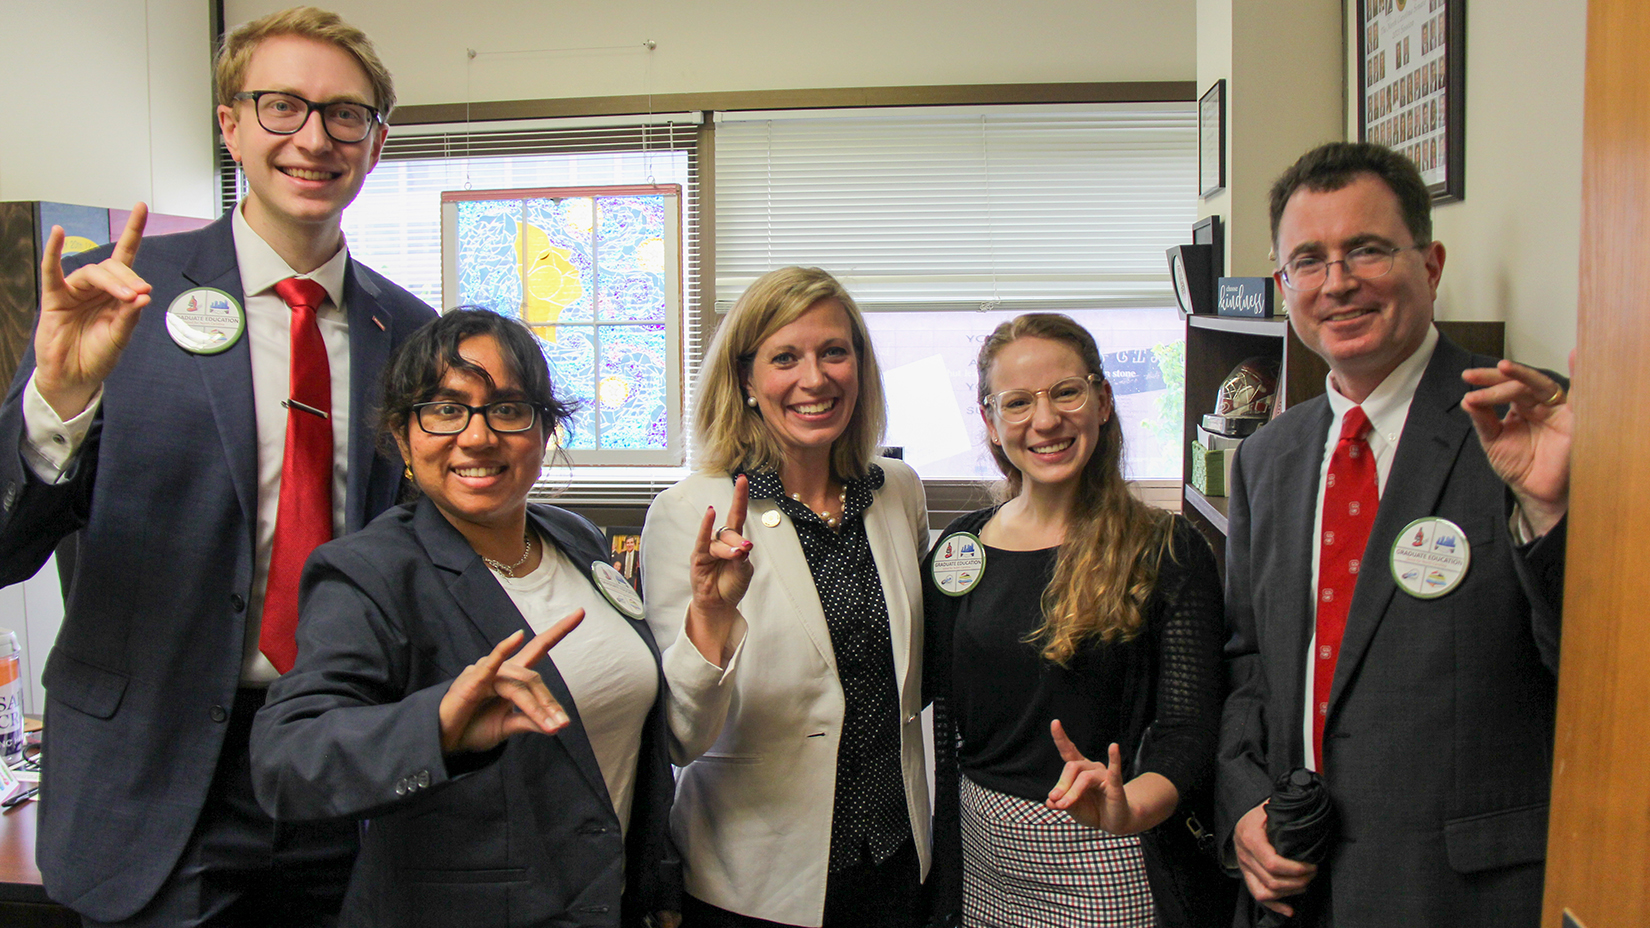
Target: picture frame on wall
(1211, 139)
(1412, 86)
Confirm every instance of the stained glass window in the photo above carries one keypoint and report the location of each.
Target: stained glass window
(595, 273)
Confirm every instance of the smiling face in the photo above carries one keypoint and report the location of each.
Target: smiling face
(1362, 328)
(805, 378)
(1051, 448)
(478, 478)
(298, 185)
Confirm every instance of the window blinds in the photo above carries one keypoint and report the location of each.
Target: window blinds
(1011, 207)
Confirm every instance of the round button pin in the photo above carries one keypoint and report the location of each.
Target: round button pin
(1430, 557)
(616, 589)
(959, 562)
(205, 321)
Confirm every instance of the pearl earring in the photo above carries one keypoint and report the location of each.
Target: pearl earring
(750, 401)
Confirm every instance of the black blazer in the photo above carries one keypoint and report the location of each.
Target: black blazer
(164, 493)
(1438, 743)
(522, 835)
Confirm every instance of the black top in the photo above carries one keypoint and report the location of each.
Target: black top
(1159, 696)
(869, 821)
(1005, 693)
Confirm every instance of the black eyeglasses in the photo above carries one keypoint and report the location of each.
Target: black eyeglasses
(1366, 262)
(445, 417)
(284, 114)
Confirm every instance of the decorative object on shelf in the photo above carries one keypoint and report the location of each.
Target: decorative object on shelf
(1245, 400)
(1251, 297)
(1211, 139)
(1191, 267)
(1227, 445)
(1209, 469)
(1412, 86)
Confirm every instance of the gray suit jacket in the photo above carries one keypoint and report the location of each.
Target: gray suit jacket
(164, 495)
(1438, 742)
(522, 835)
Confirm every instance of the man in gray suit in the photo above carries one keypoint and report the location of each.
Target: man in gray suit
(1415, 671)
(161, 414)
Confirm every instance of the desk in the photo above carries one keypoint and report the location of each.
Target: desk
(23, 900)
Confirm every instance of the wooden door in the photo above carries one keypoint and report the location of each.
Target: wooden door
(1598, 853)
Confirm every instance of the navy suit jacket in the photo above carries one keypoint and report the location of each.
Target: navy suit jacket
(1438, 743)
(522, 835)
(164, 496)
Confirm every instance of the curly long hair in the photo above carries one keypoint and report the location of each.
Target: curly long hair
(1108, 564)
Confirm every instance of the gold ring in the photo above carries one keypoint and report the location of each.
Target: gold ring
(1556, 398)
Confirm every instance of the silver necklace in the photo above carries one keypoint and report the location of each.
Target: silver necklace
(509, 570)
(831, 521)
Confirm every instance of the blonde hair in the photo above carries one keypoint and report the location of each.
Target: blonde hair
(1107, 566)
(229, 70)
(731, 435)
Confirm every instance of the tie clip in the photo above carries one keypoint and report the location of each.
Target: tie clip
(294, 404)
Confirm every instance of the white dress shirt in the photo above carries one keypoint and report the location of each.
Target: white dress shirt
(1388, 409)
(50, 443)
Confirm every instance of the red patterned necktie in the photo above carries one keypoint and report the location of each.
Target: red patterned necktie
(304, 517)
(1350, 497)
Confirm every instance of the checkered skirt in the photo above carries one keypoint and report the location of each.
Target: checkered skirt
(1027, 866)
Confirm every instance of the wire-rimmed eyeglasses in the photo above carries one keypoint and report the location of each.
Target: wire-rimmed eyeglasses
(1068, 395)
(1304, 273)
(285, 113)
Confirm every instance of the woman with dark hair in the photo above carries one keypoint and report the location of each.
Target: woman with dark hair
(794, 643)
(1092, 629)
(415, 703)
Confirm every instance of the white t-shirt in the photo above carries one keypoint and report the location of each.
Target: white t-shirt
(605, 664)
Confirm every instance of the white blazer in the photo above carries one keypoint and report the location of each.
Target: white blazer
(758, 741)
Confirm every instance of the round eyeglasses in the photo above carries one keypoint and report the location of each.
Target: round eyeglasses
(285, 113)
(1016, 406)
(1305, 273)
(444, 417)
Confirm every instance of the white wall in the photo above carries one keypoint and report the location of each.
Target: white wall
(1513, 245)
(109, 102)
(530, 49)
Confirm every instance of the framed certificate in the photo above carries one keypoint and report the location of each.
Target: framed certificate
(1211, 140)
(1411, 85)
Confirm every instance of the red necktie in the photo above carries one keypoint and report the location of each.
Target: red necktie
(1350, 497)
(304, 516)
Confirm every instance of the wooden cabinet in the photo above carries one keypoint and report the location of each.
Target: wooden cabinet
(1216, 344)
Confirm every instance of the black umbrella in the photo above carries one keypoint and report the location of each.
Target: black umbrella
(1300, 823)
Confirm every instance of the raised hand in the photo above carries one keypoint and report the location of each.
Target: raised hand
(1269, 876)
(87, 318)
(1529, 446)
(720, 572)
(500, 695)
(1095, 795)
(1091, 792)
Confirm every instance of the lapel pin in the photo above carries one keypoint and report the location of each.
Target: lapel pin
(1430, 557)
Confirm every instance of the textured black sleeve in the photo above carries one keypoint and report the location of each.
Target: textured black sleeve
(1191, 682)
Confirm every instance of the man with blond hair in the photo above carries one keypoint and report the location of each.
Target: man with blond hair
(199, 412)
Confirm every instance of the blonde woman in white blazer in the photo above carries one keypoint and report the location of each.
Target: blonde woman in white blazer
(794, 641)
